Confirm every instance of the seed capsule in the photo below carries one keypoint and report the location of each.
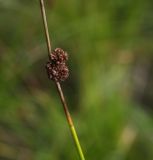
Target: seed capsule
(56, 67)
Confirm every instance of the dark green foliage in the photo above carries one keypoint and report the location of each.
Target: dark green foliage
(105, 40)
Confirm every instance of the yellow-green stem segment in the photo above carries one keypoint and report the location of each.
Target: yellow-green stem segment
(77, 143)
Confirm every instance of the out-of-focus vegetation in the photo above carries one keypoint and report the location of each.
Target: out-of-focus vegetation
(109, 91)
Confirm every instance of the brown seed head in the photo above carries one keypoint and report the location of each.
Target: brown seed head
(56, 67)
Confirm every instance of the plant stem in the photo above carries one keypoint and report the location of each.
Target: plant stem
(43, 12)
(59, 89)
(70, 122)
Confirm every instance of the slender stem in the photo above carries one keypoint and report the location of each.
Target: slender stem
(43, 12)
(70, 122)
(66, 111)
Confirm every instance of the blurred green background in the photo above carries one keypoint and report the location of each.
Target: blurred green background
(109, 91)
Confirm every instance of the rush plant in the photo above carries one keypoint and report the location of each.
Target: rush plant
(58, 71)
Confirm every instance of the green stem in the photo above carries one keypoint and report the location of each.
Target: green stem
(77, 143)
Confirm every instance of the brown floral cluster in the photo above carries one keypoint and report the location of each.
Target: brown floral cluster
(56, 66)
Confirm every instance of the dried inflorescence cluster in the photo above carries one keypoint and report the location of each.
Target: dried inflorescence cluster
(56, 66)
